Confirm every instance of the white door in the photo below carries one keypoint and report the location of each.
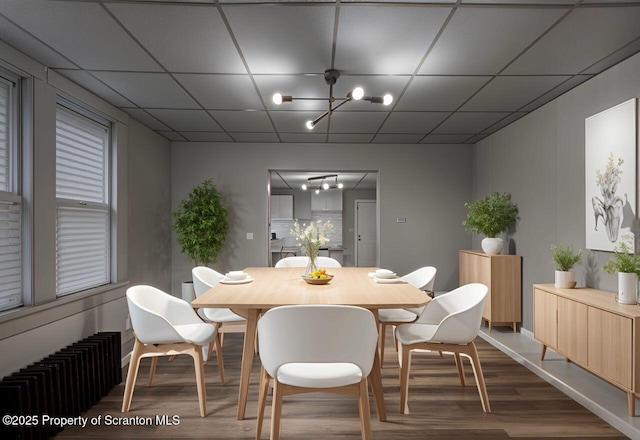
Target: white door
(366, 233)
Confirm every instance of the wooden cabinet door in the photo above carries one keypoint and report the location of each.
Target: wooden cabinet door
(610, 349)
(476, 268)
(572, 325)
(545, 317)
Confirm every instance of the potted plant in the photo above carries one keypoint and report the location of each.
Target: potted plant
(201, 223)
(490, 216)
(627, 264)
(564, 257)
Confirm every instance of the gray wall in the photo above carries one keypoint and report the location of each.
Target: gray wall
(427, 184)
(539, 159)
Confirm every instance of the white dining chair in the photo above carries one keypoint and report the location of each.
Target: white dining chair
(423, 278)
(325, 262)
(204, 278)
(449, 323)
(164, 325)
(315, 348)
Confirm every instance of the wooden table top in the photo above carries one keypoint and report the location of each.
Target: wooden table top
(274, 287)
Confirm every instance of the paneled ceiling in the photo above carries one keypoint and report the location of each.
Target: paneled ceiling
(205, 70)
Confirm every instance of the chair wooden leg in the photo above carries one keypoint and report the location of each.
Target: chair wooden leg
(152, 370)
(196, 354)
(262, 399)
(276, 410)
(395, 340)
(132, 374)
(460, 368)
(477, 372)
(383, 331)
(365, 412)
(404, 378)
(218, 342)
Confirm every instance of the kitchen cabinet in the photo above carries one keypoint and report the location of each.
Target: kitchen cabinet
(502, 274)
(329, 200)
(281, 207)
(591, 329)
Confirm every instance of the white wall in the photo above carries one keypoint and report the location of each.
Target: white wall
(427, 184)
(539, 159)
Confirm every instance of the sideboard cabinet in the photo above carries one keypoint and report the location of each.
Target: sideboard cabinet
(502, 274)
(591, 329)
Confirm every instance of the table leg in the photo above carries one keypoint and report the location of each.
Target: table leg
(247, 360)
(375, 378)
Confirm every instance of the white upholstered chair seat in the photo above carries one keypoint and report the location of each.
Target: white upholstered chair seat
(222, 315)
(319, 375)
(414, 333)
(396, 315)
(196, 333)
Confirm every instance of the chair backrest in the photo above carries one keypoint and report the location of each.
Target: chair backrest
(423, 278)
(317, 333)
(460, 312)
(293, 262)
(328, 262)
(204, 278)
(154, 313)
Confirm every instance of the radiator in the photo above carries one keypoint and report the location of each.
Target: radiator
(64, 384)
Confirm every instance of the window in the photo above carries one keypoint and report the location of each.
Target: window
(10, 201)
(83, 225)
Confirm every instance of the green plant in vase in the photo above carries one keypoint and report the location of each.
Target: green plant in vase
(627, 264)
(564, 258)
(491, 216)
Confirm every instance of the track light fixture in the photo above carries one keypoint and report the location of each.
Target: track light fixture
(322, 183)
(331, 76)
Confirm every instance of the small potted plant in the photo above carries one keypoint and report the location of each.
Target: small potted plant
(490, 216)
(627, 264)
(564, 257)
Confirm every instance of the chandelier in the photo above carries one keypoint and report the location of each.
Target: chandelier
(331, 76)
(322, 183)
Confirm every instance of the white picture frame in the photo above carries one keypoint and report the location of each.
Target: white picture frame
(610, 175)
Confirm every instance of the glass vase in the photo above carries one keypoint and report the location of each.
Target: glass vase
(312, 265)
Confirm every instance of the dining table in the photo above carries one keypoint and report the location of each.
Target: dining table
(269, 287)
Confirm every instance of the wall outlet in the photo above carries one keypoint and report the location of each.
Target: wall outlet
(401, 220)
(249, 235)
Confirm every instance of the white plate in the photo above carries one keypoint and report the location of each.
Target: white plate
(228, 281)
(383, 276)
(389, 280)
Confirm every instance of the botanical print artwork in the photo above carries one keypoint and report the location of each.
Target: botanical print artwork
(610, 174)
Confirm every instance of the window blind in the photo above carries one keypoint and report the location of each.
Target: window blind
(5, 135)
(83, 211)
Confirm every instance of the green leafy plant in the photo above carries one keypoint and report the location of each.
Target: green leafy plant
(201, 223)
(565, 257)
(492, 215)
(624, 260)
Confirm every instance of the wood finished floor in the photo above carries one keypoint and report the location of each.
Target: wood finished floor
(524, 406)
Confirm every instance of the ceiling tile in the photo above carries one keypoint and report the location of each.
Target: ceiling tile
(303, 137)
(206, 136)
(89, 82)
(172, 136)
(356, 122)
(91, 38)
(240, 121)
(298, 86)
(521, 2)
(294, 121)
(186, 120)
(283, 38)
(356, 138)
(373, 85)
(232, 92)
(554, 93)
(504, 122)
(509, 93)
(145, 118)
(413, 122)
(183, 38)
(445, 139)
(474, 42)
(156, 90)
(618, 56)
(439, 93)
(476, 138)
(384, 138)
(394, 40)
(468, 123)
(584, 37)
(255, 137)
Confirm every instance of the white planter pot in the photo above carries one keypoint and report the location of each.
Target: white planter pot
(627, 288)
(188, 293)
(565, 279)
(492, 245)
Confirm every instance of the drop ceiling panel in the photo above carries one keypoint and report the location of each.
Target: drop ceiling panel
(509, 93)
(186, 120)
(156, 90)
(145, 118)
(182, 39)
(474, 42)
(504, 122)
(255, 137)
(89, 82)
(356, 138)
(413, 122)
(243, 121)
(283, 38)
(469, 123)
(373, 85)
(616, 57)
(445, 139)
(294, 121)
(385, 138)
(356, 122)
(205, 136)
(172, 136)
(231, 92)
(303, 137)
(439, 93)
(580, 40)
(394, 40)
(521, 2)
(554, 93)
(298, 86)
(81, 31)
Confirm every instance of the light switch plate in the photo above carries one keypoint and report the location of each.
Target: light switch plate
(249, 235)
(401, 219)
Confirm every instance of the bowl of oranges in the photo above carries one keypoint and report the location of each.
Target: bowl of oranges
(318, 276)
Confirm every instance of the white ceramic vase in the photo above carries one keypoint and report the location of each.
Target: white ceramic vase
(627, 288)
(565, 279)
(492, 245)
(188, 292)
